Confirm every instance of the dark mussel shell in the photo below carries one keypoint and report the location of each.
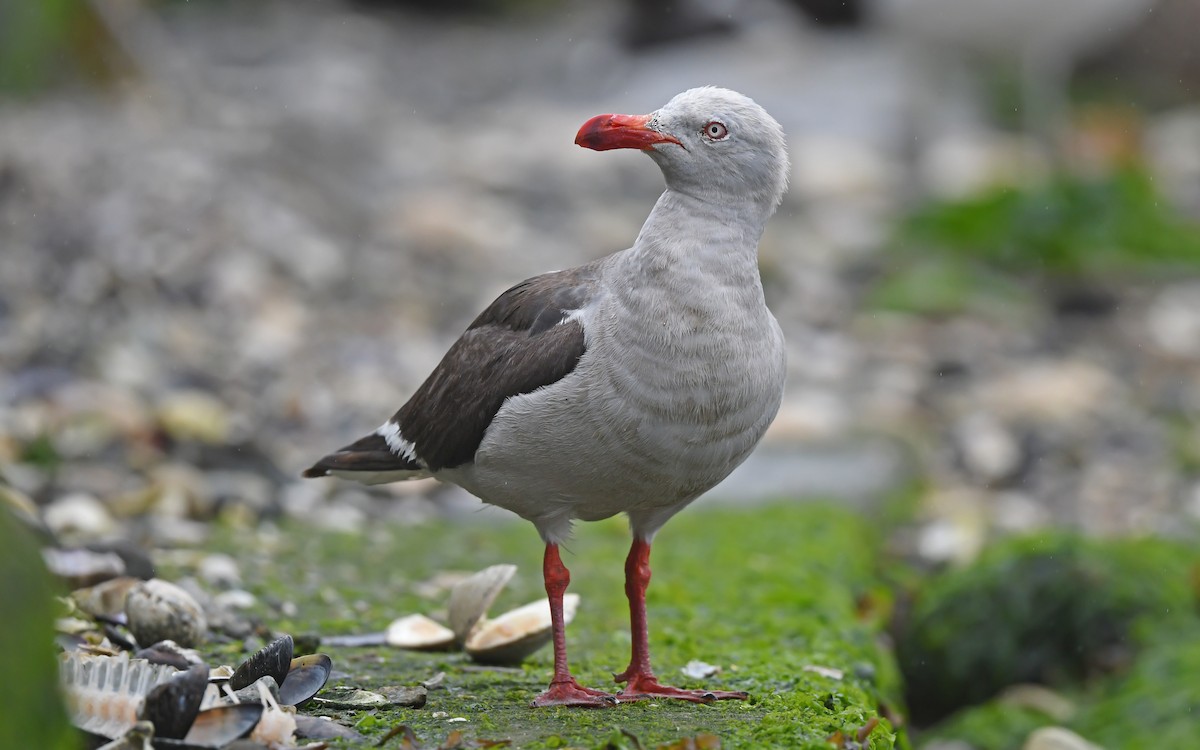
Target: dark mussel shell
(273, 659)
(217, 727)
(172, 705)
(305, 679)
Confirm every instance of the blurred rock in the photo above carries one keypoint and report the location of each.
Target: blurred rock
(1039, 698)
(194, 415)
(81, 567)
(1048, 390)
(958, 530)
(1173, 321)
(162, 611)
(220, 571)
(1057, 738)
(78, 518)
(989, 452)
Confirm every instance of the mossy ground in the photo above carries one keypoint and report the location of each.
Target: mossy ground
(1111, 624)
(763, 592)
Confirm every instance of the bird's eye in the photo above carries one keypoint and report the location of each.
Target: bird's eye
(715, 131)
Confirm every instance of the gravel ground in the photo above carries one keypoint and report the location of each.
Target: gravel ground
(258, 250)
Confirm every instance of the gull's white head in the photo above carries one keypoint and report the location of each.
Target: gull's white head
(713, 144)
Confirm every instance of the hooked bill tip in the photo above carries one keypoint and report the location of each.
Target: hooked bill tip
(606, 132)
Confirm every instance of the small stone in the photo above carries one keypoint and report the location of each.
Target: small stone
(959, 533)
(988, 450)
(1056, 738)
(411, 697)
(195, 415)
(830, 672)
(699, 670)
(349, 697)
(78, 517)
(235, 599)
(1173, 321)
(1017, 512)
(1038, 698)
(220, 571)
(81, 567)
(1061, 391)
(159, 610)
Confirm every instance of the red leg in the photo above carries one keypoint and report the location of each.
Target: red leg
(563, 690)
(641, 684)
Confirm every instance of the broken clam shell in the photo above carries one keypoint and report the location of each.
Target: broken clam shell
(160, 611)
(471, 597)
(105, 599)
(516, 634)
(420, 633)
(305, 678)
(272, 660)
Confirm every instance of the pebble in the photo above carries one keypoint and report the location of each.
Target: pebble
(220, 571)
(1060, 391)
(959, 528)
(990, 453)
(1057, 738)
(195, 415)
(78, 517)
(699, 670)
(1039, 698)
(1173, 321)
(410, 697)
(82, 567)
(160, 611)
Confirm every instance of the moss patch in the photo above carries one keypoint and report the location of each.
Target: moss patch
(1112, 625)
(768, 594)
(1053, 609)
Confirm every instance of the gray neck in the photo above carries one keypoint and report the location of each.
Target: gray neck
(693, 256)
(684, 232)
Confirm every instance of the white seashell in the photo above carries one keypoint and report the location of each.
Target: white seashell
(471, 597)
(105, 599)
(420, 633)
(516, 634)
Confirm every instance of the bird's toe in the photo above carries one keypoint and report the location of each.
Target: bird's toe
(573, 694)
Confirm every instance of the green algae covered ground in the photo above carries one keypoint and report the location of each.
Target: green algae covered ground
(773, 595)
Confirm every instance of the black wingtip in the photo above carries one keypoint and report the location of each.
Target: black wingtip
(316, 471)
(365, 455)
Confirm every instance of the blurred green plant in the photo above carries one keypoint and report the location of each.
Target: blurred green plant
(36, 40)
(951, 255)
(1054, 609)
(49, 42)
(32, 714)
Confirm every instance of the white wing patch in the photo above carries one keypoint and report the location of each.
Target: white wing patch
(571, 315)
(390, 432)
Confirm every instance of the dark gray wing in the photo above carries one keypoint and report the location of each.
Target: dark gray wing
(521, 342)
